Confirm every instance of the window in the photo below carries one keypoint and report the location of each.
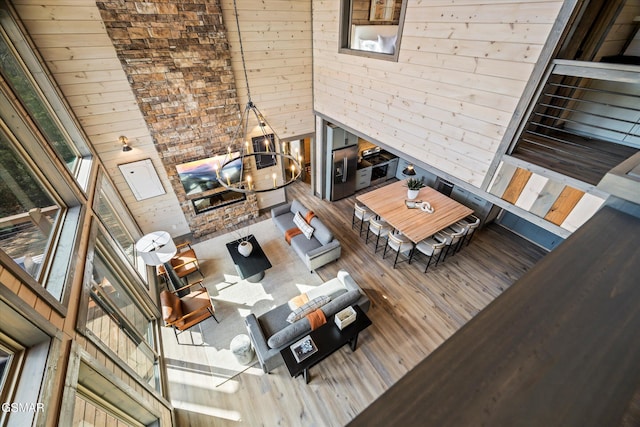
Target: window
(29, 82)
(372, 27)
(115, 315)
(39, 217)
(10, 358)
(28, 214)
(118, 222)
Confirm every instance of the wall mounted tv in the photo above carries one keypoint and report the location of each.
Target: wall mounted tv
(200, 175)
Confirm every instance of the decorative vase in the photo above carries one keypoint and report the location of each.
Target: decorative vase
(245, 248)
(412, 194)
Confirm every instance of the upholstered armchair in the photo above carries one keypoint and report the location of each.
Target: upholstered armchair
(184, 263)
(183, 313)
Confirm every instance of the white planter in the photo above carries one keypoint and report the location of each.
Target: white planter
(245, 248)
(412, 194)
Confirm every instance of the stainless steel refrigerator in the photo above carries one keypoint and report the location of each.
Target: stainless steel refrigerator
(344, 165)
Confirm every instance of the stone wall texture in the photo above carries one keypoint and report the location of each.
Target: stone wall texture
(178, 62)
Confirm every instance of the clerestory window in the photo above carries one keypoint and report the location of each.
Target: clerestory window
(372, 28)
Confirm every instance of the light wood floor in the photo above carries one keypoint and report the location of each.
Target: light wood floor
(412, 314)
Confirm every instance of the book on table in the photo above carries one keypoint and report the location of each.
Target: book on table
(303, 348)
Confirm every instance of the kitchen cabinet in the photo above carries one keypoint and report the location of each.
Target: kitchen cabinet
(363, 178)
(482, 208)
(391, 169)
(339, 138)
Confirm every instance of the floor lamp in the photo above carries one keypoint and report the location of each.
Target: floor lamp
(157, 248)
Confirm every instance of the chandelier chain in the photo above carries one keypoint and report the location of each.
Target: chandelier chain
(244, 65)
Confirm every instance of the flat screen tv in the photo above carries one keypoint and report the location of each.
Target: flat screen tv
(200, 175)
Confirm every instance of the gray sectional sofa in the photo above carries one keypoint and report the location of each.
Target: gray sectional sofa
(271, 332)
(317, 251)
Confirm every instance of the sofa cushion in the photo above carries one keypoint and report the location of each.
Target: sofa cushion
(274, 320)
(307, 308)
(296, 206)
(331, 288)
(322, 233)
(284, 222)
(302, 245)
(344, 300)
(302, 225)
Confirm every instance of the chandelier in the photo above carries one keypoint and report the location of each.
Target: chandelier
(240, 172)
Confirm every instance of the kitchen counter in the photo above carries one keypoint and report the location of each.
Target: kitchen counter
(363, 164)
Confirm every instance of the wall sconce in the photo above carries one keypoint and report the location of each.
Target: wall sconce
(409, 170)
(125, 144)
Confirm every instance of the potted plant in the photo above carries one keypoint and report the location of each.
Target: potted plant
(413, 187)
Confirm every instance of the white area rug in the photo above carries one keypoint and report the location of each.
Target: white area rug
(233, 299)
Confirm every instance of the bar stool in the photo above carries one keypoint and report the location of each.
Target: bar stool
(380, 228)
(398, 243)
(362, 214)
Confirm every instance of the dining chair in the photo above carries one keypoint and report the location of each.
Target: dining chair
(361, 214)
(380, 228)
(183, 313)
(399, 243)
(474, 223)
(451, 238)
(431, 248)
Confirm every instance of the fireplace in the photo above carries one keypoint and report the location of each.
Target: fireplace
(217, 200)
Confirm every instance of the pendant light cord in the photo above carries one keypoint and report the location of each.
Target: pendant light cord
(244, 66)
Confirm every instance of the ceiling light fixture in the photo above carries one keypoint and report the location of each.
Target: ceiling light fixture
(257, 146)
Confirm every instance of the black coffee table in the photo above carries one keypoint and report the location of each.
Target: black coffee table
(328, 339)
(250, 268)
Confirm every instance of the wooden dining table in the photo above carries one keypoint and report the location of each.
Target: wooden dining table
(389, 203)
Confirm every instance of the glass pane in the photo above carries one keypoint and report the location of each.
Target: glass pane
(114, 225)
(374, 25)
(5, 363)
(118, 321)
(28, 213)
(24, 89)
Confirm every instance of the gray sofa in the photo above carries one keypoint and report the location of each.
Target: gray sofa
(317, 251)
(271, 332)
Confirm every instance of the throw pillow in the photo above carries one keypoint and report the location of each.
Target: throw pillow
(309, 307)
(370, 45)
(306, 229)
(387, 44)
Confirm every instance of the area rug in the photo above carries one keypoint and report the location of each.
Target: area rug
(234, 298)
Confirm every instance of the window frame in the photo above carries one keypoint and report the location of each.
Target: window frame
(105, 186)
(53, 283)
(136, 289)
(50, 95)
(344, 35)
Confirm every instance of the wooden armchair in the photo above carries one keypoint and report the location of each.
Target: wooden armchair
(183, 313)
(184, 263)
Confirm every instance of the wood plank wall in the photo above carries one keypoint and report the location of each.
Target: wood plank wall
(276, 38)
(72, 39)
(550, 198)
(447, 101)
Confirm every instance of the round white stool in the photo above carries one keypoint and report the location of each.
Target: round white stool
(242, 349)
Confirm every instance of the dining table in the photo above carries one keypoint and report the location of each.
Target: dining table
(390, 204)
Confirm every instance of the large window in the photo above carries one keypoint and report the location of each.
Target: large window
(118, 222)
(23, 72)
(372, 27)
(116, 316)
(28, 213)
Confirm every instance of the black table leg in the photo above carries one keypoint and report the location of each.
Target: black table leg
(306, 375)
(353, 342)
